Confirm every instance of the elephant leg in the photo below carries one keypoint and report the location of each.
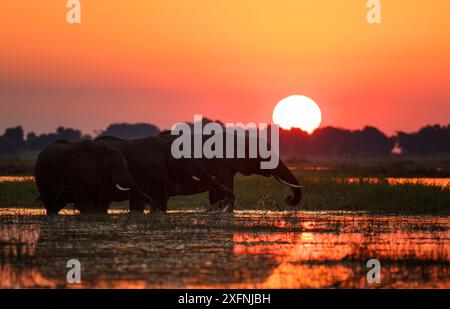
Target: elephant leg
(102, 202)
(48, 202)
(82, 207)
(229, 204)
(224, 203)
(162, 201)
(161, 196)
(156, 191)
(91, 209)
(136, 205)
(162, 205)
(214, 197)
(52, 206)
(54, 209)
(99, 206)
(104, 206)
(91, 203)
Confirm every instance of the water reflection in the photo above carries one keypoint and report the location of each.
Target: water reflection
(249, 249)
(439, 182)
(310, 168)
(16, 178)
(18, 240)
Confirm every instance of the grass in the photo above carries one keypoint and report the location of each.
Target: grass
(390, 166)
(19, 194)
(321, 192)
(17, 165)
(375, 196)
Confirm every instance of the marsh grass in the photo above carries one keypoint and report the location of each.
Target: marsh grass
(330, 193)
(19, 194)
(390, 166)
(324, 192)
(376, 196)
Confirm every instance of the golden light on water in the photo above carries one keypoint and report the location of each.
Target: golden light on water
(270, 249)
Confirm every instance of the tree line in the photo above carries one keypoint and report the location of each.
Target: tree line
(14, 142)
(328, 141)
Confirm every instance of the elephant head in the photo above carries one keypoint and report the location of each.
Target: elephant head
(103, 166)
(249, 166)
(281, 173)
(252, 165)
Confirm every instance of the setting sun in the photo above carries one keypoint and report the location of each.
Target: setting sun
(297, 111)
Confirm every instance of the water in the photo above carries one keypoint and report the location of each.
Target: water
(249, 249)
(424, 181)
(16, 178)
(441, 182)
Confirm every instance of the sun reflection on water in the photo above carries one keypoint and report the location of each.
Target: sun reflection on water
(249, 249)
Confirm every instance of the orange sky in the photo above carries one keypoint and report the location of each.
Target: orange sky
(161, 61)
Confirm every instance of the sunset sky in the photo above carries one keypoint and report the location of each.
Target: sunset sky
(162, 61)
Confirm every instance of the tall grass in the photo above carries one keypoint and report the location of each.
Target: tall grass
(328, 193)
(320, 193)
(19, 194)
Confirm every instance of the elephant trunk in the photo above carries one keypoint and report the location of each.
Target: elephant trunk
(285, 176)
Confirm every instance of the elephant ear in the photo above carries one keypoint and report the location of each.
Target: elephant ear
(83, 164)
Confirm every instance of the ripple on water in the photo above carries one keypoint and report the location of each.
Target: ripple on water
(248, 249)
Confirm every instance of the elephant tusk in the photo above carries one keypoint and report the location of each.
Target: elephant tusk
(195, 178)
(119, 187)
(287, 183)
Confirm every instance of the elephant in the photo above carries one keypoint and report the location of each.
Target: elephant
(224, 170)
(90, 174)
(158, 173)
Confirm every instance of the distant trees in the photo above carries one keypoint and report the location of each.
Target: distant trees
(428, 140)
(326, 141)
(131, 131)
(37, 143)
(12, 142)
(331, 141)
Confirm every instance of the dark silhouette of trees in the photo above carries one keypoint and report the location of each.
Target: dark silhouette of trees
(131, 131)
(326, 141)
(366, 142)
(37, 143)
(331, 141)
(12, 141)
(427, 141)
(294, 142)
